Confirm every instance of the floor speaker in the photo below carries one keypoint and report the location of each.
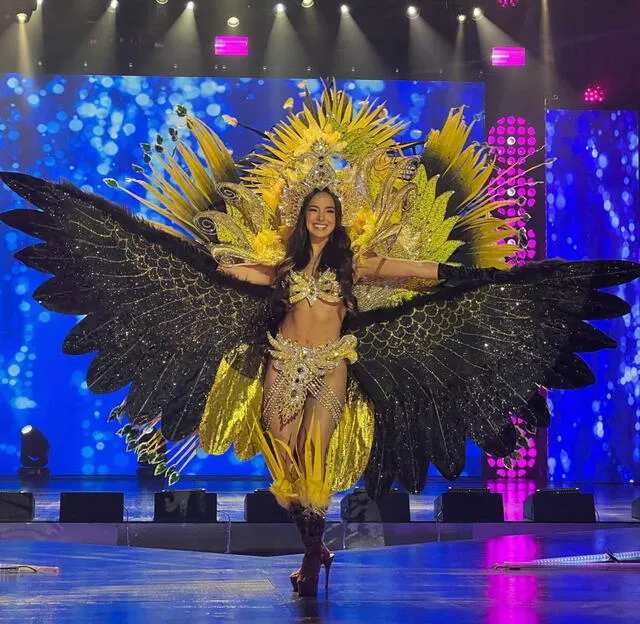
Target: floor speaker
(91, 506)
(261, 506)
(185, 506)
(468, 505)
(358, 506)
(560, 505)
(16, 506)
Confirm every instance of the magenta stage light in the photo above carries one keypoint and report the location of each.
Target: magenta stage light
(507, 3)
(231, 46)
(594, 94)
(509, 57)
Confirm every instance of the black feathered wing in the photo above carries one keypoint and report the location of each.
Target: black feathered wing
(158, 313)
(458, 363)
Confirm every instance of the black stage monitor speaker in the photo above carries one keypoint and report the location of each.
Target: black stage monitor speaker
(261, 506)
(16, 506)
(635, 509)
(91, 506)
(460, 504)
(560, 505)
(359, 507)
(185, 506)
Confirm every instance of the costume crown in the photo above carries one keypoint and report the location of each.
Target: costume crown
(313, 170)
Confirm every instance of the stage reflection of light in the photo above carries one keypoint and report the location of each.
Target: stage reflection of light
(513, 491)
(513, 598)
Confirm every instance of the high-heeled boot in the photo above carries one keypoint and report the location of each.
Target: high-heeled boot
(311, 524)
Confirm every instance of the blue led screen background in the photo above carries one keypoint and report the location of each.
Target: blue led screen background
(86, 128)
(593, 212)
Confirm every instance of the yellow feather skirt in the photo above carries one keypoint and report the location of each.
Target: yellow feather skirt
(232, 415)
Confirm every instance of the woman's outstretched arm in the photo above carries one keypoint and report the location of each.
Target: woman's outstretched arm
(387, 268)
(260, 274)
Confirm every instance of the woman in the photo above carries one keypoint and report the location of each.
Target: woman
(313, 295)
(432, 368)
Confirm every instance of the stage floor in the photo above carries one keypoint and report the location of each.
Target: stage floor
(448, 581)
(613, 501)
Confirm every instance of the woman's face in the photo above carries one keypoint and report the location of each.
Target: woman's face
(321, 216)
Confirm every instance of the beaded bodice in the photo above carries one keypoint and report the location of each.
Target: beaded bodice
(323, 286)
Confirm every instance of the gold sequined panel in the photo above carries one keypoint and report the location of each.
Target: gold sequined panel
(323, 286)
(301, 371)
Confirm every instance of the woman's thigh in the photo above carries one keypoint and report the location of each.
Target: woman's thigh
(286, 432)
(325, 411)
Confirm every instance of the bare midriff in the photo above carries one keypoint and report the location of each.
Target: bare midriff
(313, 325)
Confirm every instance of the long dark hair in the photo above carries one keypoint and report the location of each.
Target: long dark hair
(336, 255)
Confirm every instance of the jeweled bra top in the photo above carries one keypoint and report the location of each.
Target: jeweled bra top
(323, 286)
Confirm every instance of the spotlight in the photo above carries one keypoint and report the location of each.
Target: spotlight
(24, 9)
(280, 8)
(477, 13)
(34, 452)
(191, 5)
(412, 12)
(162, 1)
(462, 18)
(344, 8)
(113, 6)
(39, 3)
(233, 22)
(307, 4)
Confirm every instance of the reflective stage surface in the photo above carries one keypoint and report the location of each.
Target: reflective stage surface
(438, 582)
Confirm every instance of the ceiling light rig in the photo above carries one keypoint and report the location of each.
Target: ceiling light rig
(477, 13)
(344, 9)
(233, 22)
(462, 17)
(307, 4)
(191, 5)
(412, 11)
(113, 6)
(280, 8)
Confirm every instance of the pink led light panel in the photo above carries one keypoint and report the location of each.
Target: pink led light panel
(231, 46)
(594, 94)
(509, 57)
